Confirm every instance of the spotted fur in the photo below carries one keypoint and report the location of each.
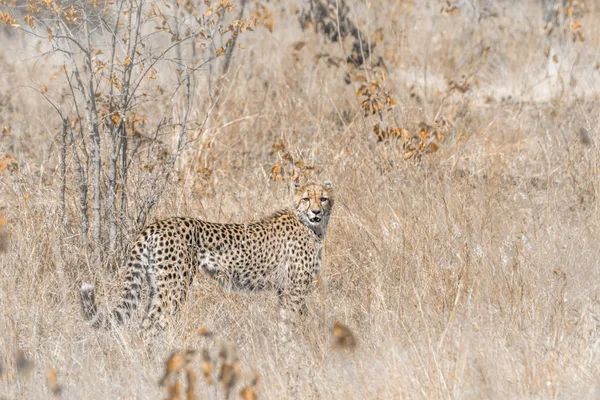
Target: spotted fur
(282, 252)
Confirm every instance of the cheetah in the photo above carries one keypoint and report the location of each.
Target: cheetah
(282, 252)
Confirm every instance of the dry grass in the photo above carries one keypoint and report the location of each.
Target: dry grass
(470, 272)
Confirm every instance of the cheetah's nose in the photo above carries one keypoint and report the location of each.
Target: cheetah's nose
(316, 212)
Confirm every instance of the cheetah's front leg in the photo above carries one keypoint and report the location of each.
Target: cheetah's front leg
(292, 303)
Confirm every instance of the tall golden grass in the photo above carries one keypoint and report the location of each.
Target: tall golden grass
(468, 272)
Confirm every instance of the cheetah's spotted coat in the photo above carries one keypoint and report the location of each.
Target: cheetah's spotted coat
(282, 252)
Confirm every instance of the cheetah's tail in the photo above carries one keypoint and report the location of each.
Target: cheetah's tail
(90, 309)
(130, 297)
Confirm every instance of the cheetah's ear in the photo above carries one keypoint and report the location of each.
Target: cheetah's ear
(328, 184)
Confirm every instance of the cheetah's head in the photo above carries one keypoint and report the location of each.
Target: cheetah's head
(313, 205)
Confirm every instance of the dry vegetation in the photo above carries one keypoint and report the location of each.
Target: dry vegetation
(462, 257)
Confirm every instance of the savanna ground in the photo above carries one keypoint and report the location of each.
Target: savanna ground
(468, 269)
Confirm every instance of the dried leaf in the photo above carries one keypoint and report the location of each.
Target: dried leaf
(343, 336)
(378, 36)
(560, 273)
(29, 21)
(298, 45)
(71, 15)
(431, 148)
(52, 381)
(248, 393)
(278, 146)
(276, 173)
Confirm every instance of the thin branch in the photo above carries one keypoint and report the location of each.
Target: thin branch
(149, 204)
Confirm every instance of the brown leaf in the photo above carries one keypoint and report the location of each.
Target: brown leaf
(52, 381)
(378, 36)
(276, 173)
(343, 336)
(298, 45)
(29, 21)
(248, 393)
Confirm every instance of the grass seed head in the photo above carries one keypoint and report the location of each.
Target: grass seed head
(191, 383)
(230, 369)
(177, 361)
(207, 367)
(228, 377)
(174, 391)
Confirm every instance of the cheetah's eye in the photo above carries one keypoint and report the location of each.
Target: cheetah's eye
(306, 199)
(324, 199)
